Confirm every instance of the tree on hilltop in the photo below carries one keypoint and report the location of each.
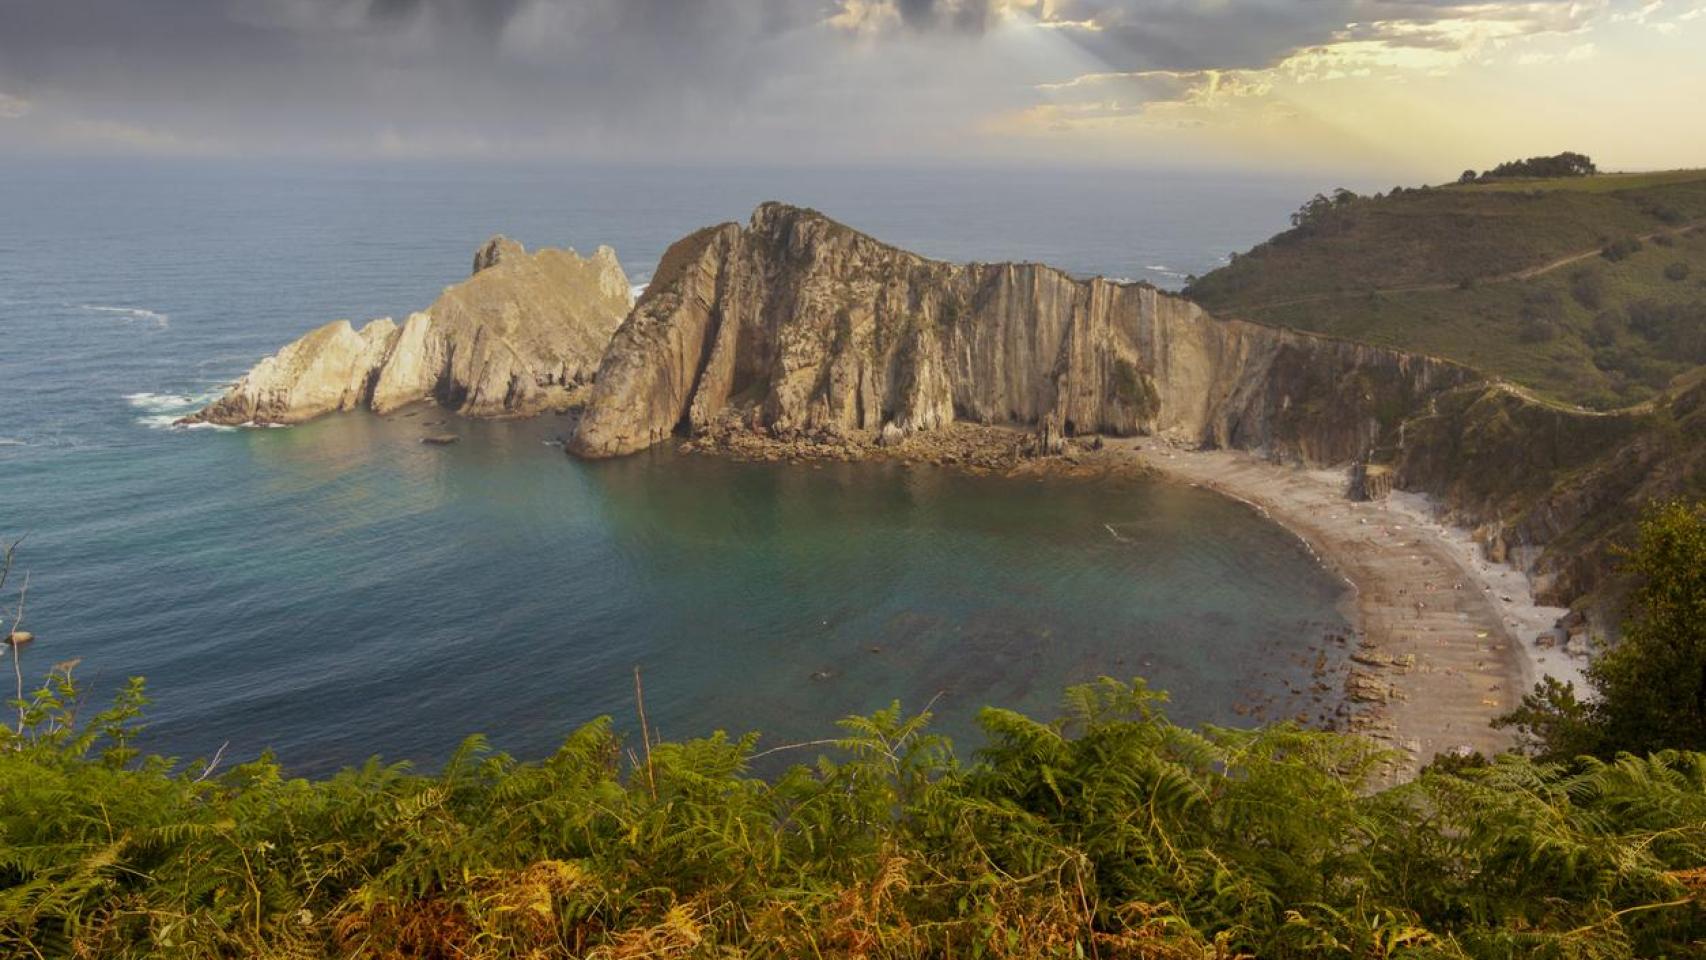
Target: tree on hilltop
(1566, 164)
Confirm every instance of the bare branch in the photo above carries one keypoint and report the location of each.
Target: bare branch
(212, 763)
(11, 631)
(795, 746)
(645, 733)
(13, 641)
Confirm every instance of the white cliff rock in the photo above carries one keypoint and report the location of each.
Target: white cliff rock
(519, 337)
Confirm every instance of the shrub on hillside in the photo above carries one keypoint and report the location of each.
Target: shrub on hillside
(1667, 214)
(1676, 272)
(1540, 316)
(1621, 249)
(1678, 328)
(1607, 324)
(1587, 287)
(1537, 330)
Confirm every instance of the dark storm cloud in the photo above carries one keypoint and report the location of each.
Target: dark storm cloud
(629, 77)
(478, 70)
(1225, 34)
(967, 15)
(1188, 35)
(488, 15)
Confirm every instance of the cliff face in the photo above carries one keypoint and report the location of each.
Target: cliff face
(801, 326)
(516, 338)
(1552, 488)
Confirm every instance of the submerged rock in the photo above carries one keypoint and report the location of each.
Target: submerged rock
(517, 338)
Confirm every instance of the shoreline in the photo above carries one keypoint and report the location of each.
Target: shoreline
(1444, 638)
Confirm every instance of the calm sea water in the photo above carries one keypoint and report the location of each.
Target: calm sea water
(338, 589)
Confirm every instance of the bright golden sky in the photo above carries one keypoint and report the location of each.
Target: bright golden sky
(1411, 87)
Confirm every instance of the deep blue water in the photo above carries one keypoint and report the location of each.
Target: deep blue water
(338, 589)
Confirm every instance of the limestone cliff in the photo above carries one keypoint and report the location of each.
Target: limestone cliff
(798, 325)
(518, 337)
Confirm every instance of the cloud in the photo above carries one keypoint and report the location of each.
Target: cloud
(1188, 58)
(607, 77)
(685, 80)
(875, 16)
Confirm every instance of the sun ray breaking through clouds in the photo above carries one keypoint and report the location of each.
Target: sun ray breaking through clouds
(1417, 84)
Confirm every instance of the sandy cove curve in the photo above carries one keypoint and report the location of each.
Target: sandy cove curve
(1445, 639)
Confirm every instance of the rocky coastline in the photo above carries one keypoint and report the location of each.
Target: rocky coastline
(796, 338)
(523, 335)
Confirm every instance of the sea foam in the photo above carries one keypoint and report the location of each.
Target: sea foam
(160, 320)
(163, 410)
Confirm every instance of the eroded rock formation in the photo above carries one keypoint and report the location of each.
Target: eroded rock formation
(798, 325)
(521, 336)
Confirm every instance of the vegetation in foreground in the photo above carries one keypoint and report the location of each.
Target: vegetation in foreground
(1107, 832)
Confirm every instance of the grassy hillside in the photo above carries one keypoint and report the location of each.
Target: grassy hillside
(1590, 290)
(1106, 833)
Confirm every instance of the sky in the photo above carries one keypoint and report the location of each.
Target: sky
(1412, 87)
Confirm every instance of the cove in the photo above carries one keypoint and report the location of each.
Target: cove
(343, 589)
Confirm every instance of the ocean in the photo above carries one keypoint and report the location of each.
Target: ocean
(338, 590)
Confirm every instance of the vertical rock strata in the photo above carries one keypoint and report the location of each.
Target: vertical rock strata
(801, 326)
(518, 337)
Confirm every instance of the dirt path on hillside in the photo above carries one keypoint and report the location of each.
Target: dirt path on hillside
(1527, 273)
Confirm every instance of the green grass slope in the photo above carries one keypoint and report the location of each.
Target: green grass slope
(1588, 290)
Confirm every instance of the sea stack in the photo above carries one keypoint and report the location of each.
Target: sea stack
(523, 335)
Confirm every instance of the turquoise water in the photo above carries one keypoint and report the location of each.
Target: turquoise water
(339, 589)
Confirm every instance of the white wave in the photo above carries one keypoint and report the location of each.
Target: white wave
(160, 402)
(639, 289)
(1163, 269)
(12, 442)
(169, 421)
(163, 410)
(160, 320)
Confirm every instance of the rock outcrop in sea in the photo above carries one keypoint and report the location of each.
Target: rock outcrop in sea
(799, 326)
(523, 335)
